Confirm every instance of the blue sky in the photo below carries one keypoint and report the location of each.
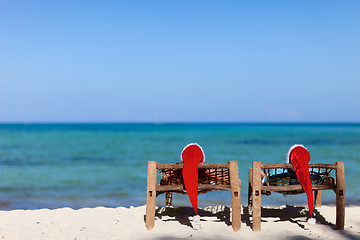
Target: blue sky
(179, 61)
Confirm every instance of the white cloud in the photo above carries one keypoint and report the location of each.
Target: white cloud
(293, 114)
(287, 114)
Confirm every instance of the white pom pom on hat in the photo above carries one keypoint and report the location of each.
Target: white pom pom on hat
(196, 218)
(311, 221)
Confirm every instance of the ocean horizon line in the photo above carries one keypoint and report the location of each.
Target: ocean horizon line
(181, 123)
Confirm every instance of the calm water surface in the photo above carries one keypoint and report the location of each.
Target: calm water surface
(88, 165)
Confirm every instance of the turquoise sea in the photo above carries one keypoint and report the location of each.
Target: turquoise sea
(88, 165)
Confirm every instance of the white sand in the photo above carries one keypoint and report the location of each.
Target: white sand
(286, 222)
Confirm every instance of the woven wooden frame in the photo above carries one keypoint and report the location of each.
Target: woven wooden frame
(287, 183)
(212, 176)
(320, 174)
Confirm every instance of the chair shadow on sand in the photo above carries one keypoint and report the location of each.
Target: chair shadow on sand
(296, 215)
(292, 214)
(184, 215)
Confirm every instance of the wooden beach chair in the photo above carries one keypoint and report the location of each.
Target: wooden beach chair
(287, 183)
(212, 176)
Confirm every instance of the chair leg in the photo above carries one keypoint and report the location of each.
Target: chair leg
(235, 195)
(340, 196)
(317, 198)
(168, 199)
(250, 199)
(256, 193)
(151, 195)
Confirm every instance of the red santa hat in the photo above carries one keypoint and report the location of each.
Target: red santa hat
(191, 156)
(299, 157)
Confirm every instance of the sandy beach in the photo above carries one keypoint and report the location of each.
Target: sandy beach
(284, 222)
